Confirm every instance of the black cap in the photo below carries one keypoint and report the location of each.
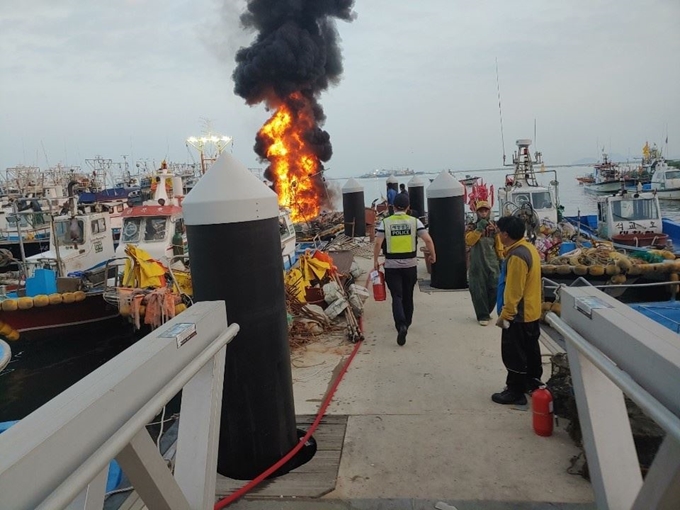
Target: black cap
(401, 201)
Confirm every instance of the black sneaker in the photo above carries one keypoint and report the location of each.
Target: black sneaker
(509, 397)
(401, 336)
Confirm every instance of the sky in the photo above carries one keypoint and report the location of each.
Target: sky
(419, 88)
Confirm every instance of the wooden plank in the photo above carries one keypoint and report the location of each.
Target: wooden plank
(313, 479)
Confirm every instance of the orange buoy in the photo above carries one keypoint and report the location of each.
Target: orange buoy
(25, 303)
(41, 300)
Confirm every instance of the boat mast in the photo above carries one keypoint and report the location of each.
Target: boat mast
(500, 111)
(209, 147)
(524, 164)
(15, 208)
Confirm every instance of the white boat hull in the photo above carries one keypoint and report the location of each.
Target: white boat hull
(602, 188)
(668, 194)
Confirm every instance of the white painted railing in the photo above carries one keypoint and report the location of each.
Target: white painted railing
(613, 350)
(58, 456)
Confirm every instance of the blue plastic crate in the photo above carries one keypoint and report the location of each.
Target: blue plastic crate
(43, 281)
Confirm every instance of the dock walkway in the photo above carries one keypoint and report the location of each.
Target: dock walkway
(421, 429)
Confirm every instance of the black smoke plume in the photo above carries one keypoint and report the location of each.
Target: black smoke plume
(296, 50)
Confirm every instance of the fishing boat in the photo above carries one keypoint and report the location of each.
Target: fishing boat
(25, 219)
(606, 177)
(469, 180)
(665, 181)
(523, 195)
(24, 230)
(156, 226)
(629, 220)
(60, 289)
(380, 173)
(152, 279)
(586, 179)
(626, 242)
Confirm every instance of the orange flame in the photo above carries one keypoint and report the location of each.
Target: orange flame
(294, 167)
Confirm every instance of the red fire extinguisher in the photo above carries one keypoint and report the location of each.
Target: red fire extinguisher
(542, 407)
(378, 281)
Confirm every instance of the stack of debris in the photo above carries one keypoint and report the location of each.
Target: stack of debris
(319, 291)
(359, 246)
(324, 227)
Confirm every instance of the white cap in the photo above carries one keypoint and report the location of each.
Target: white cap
(445, 186)
(229, 193)
(352, 186)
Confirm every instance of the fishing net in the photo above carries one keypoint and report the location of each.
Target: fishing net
(647, 435)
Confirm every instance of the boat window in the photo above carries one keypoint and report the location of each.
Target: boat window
(155, 228)
(283, 228)
(69, 231)
(179, 226)
(642, 209)
(541, 200)
(673, 174)
(98, 226)
(12, 220)
(521, 199)
(131, 229)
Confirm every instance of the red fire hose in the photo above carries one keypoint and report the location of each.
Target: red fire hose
(227, 500)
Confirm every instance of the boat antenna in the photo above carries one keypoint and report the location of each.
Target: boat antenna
(535, 139)
(500, 111)
(45, 153)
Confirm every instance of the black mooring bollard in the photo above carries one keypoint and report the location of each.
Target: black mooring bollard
(416, 196)
(232, 222)
(446, 215)
(354, 209)
(391, 183)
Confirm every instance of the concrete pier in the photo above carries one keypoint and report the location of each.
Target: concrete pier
(420, 426)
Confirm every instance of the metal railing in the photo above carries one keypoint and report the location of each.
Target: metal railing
(613, 350)
(58, 456)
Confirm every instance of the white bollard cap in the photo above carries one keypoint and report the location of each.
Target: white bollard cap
(445, 185)
(229, 193)
(352, 186)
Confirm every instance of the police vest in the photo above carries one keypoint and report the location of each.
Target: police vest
(400, 236)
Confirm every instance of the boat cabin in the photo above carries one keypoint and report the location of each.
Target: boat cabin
(631, 219)
(665, 180)
(153, 228)
(523, 194)
(287, 231)
(31, 224)
(538, 198)
(80, 243)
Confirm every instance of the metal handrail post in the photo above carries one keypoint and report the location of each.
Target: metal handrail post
(650, 405)
(75, 482)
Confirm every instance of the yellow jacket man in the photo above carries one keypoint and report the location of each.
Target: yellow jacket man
(519, 309)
